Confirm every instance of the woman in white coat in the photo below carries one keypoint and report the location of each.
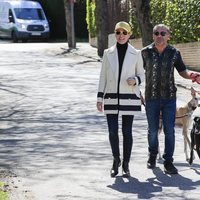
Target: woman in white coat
(119, 94)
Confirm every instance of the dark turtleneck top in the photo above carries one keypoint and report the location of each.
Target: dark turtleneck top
(121, 49)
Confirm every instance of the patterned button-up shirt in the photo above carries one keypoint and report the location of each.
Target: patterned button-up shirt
(159, 71)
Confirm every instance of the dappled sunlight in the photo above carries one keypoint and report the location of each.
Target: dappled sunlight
(53, 137)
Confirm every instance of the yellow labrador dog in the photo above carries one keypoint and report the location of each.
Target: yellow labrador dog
(183, 119)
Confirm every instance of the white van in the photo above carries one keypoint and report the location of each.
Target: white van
(22, 20)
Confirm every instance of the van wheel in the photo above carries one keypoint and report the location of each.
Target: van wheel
(14, 37)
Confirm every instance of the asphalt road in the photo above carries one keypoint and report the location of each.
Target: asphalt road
(54, 140)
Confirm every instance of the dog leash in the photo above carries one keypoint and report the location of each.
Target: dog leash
(182, 116)
(185, 115)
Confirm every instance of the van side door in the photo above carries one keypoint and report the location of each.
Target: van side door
(11, 22)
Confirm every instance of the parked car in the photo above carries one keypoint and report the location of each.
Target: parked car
(23, 20)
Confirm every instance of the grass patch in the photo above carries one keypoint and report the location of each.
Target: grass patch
(3, 194)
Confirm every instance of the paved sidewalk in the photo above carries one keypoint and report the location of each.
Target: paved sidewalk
(53, 138)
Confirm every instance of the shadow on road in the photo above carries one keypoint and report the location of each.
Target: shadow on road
(146, 190)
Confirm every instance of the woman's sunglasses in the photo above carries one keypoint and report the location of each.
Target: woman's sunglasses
(160, 33)
(121, 32)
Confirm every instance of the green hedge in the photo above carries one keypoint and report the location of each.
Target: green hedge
(182, 17)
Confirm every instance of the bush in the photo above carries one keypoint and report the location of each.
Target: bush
(90, 17)
(182, 17)
(158, 11)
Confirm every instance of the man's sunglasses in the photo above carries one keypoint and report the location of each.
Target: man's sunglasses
(160, 33)
(122, 32)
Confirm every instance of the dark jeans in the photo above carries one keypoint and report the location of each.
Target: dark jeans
(113, 124)
(167, 108)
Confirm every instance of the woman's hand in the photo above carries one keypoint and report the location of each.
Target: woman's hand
(99, 106)
(131, 81)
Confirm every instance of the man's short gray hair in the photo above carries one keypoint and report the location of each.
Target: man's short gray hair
(161, 26)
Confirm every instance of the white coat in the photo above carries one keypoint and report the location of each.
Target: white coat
(127, 100)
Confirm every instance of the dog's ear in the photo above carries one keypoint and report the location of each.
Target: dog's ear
(196, 119)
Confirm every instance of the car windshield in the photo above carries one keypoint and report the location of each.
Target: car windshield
(29, 13)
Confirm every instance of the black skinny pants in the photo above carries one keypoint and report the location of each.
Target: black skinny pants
(113, 126)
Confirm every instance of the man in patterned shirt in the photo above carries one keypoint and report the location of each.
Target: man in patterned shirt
(160, 59)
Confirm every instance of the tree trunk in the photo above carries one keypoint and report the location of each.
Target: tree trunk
(69, 16)
(114, 14)
(142, 9)
(102, 25)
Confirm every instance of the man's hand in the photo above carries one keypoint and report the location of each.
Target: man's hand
(195, 77)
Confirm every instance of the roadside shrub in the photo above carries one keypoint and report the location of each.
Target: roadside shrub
(133, 22)
(158, 11)
(182, 16)
(90, 17)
